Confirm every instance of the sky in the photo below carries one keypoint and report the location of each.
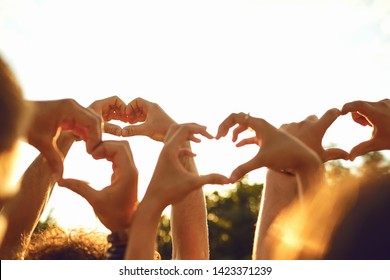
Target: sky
(281, 60)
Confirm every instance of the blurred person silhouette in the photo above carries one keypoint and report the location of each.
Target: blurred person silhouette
(39, 122)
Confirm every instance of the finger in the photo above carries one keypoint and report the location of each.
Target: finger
(360, 119)
(186, 153)
(243, 169)
(80, 187)
(110, 108)
(229, 122)
(112, 129)
(137, 110)
(185, 132)
(84, 122)
(213, 179)
(53, 156)
(311, 118)
(134, 130)
(361, 149)
(327, 119)
(237, 131)
(335, 153)
(247, 141)
(355, 106)
(118, 152)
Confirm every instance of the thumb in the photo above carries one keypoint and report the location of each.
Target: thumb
(80, 187)
(361, 149)
(243, 169)
(214, 179)
(112, 129)
(335, 153)
(54, 158)
(133, 130)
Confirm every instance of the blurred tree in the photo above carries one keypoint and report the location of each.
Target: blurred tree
(232, 216)
(232, 219)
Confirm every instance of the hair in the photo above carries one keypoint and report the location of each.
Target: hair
(12, 108)
(55, 243)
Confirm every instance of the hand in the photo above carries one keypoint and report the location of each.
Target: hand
(311, 131)
(111, 108)
(279, 150)
(115, 204)
(155, 121)
(171, 181)
(375, 114)
(49, 116)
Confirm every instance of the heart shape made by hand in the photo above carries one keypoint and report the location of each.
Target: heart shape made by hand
(113, 204)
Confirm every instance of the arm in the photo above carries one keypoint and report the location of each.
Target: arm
(188, 217)
(278, 192)
(282, 150)
(189, 221)
(25, 209)
(280, 188)
(170, 183)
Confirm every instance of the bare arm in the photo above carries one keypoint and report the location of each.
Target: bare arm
(188, 217)
(25, 209)
(281, 189)
(278, 192)
(171, 182)
(189, 222)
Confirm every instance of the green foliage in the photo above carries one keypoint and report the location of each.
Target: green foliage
(231, 217)
(232, 220)
(164, 240)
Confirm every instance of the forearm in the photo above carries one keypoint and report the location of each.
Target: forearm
(279, 191)
(189, 222)
(143, 232)
(24, 210)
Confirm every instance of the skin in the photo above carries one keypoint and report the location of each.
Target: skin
(67, 114)
(113, 205)
(280, 190)
(188, 216)
(170, 183)
(36, 186)
(110, 108)
(295, 147)
(376, 115)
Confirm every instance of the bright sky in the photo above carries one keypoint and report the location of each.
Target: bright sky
(200, 60)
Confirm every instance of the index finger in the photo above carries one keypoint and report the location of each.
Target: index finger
(177, 134)
(88, 126)
(356, 106)
(230, 121)
(327, 119)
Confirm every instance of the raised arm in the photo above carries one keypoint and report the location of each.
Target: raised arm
(170, 183)
(36, 185)
(25, 209)
(189, 216)
(293, 167)
(280, 187)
